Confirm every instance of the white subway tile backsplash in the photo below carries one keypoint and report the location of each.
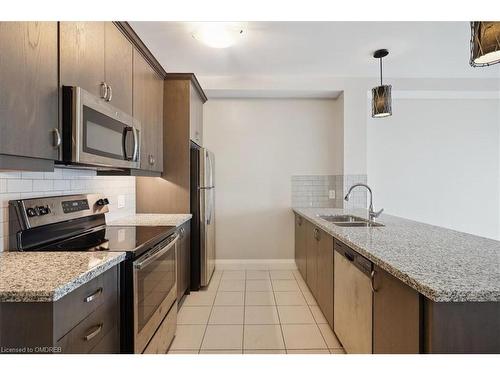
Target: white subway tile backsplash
(63, 181)
(31, 175)
(43, 185)
(19, 186)
(62, 184)
(10, 175)
(313, 191)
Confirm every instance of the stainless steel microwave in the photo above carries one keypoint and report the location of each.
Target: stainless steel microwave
(97, 134)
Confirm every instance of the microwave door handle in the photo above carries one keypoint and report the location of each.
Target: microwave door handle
(150, 257)
(135, 155)
(135, 151)
(125, 132)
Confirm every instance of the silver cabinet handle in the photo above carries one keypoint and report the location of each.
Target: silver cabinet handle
(104, 90)
(94, 333)
(110, 94)
(316, 234)
(57, 138)
(372, 281)
(299, 220)
(93, 296)
(151, 159)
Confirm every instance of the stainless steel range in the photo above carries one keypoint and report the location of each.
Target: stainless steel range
(148, 275)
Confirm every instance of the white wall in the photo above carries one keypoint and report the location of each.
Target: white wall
(437, 161)
(259, 144)
(63, 181)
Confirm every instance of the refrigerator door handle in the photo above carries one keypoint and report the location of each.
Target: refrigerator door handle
(210, 171)
(210, 208)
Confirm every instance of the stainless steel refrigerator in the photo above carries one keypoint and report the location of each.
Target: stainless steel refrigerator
(203, 210)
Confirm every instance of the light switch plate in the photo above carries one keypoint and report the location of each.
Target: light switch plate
(121, 201)
(331, 194)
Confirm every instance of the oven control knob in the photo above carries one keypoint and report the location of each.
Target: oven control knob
(31, 212)
(43, 210)
(102, 202)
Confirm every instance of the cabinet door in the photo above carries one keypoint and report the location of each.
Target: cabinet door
(180, 267)
(157, 123)
(300, 246)
(118, 67)
(28, 89)
(187, 256)
(81, 55)
(183, 261)
(312, 238)
(325, 276)
(195, 117)
(396, 316)
(144, 85)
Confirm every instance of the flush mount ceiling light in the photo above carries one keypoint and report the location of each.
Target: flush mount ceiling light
(484, 43)
(218, 34)
(381, 95)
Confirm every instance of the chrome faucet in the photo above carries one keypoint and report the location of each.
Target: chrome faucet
(371, 214)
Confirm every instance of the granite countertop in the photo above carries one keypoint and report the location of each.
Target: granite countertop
(442, 264)
(153, 220)
(48, 276)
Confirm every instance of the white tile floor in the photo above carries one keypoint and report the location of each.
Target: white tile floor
(253, 312)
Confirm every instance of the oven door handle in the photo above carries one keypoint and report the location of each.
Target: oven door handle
(154, 254)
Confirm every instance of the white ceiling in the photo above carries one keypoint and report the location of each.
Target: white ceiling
(341, 49)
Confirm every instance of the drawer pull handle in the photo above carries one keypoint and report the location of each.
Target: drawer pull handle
(349, 256)
(93, 296)
(94, 333)
(372, 281)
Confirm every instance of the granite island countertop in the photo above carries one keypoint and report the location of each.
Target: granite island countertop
(48, 276)
(153, 220)
(442, 264)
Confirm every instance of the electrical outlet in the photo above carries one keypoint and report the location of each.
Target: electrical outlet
(331, 194)
(121, 201)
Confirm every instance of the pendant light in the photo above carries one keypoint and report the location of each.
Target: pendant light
(381, 95)
(484, 43)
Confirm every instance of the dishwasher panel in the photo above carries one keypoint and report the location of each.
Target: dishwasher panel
(353, 301)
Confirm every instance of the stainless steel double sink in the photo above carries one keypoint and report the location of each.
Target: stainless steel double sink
(349, 221)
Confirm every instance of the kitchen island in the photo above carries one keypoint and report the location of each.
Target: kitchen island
(452, 279)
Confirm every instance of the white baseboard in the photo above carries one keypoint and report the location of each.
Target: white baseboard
(255, 264)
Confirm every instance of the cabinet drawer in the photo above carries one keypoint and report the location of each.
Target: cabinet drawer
(74, 307)
(161, 340)
(89, 332)
(110, 343)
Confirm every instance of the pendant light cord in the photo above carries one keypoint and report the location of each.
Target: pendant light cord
(381, 72)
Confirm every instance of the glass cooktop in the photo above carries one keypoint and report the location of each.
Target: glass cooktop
(113, 238)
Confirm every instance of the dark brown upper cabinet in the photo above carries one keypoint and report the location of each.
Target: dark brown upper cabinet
(118, 54)
(28, 94)
(97, 57)
(82, 55)
(148, 109)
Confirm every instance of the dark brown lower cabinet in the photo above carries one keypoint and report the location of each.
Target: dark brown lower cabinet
(461, 327)
(396, 316)
(325, 275)
(87, 320)
(312, 234)
(184, 261)
(300, 245)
